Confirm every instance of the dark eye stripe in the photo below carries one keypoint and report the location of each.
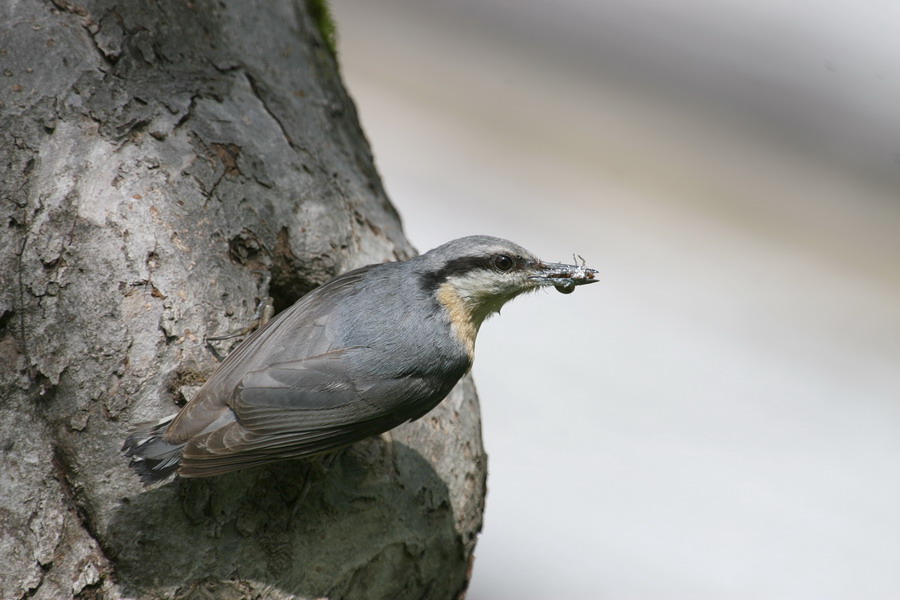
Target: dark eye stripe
(457, 266)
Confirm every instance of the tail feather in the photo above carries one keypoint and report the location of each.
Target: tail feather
(152, 457)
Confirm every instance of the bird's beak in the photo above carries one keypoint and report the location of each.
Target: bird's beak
(563, 277)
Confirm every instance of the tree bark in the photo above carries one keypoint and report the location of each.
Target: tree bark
(166, 167)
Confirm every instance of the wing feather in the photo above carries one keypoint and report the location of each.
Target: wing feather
(307, 319)
(307, 407)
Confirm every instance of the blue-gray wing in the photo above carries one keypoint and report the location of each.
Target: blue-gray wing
(317, 404)
(301, 331)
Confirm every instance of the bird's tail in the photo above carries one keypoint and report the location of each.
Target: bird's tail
(152, 457)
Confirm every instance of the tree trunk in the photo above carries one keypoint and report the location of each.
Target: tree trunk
(166, 167)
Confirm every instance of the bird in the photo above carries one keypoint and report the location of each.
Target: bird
(369, 350)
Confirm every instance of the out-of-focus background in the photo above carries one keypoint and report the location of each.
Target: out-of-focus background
(719, 417)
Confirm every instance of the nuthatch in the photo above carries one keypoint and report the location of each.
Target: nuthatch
(365, 352)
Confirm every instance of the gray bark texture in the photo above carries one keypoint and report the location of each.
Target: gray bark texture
(165, 166)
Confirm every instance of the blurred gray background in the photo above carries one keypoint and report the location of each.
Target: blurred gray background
(719, 417)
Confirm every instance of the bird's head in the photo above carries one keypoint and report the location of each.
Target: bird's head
(473, 277)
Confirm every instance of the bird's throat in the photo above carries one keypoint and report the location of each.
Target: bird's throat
(466, 315)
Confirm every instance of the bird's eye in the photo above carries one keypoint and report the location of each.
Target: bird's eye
(503, 262)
